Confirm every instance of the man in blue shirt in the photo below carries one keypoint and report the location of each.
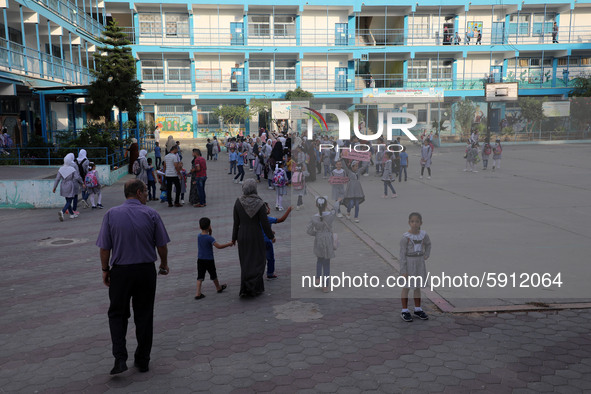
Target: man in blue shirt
(129, 236)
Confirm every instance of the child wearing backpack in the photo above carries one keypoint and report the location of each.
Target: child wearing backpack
(93, 186)
(280, 183)
(151, 181)
(486, 151)
(338, 189)
(259, 166)
(299, 185)
(497, 151)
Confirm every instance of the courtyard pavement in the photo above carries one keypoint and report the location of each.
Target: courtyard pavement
(531, 216)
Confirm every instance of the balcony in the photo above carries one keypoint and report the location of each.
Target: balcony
(427, 36)
(77, 16)
(41, 65)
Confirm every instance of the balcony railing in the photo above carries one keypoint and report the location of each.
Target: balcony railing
(425, 36)
(41, 65)
(68, 11)
(333, 83)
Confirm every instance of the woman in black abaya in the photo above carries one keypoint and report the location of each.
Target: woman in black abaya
(250, 215)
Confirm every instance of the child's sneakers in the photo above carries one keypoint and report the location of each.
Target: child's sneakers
(271, 277)
(100, 206)
(339, 215)
(94, 207)
(406, 317)
(60, 216)
(421, 315)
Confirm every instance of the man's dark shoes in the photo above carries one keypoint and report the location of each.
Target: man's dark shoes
(120, 366)
(141, 367)
(406, 317)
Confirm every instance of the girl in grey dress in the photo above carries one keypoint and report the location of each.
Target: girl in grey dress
(354, 195)
(415, 248)
(70, 183)
(320, 227)
(426, 153)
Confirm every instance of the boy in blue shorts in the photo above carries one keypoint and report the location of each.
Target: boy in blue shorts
(269, 243)
(205, 262)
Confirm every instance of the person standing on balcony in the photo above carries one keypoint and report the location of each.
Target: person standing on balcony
(372, 82)
(555, 33)
(479, 37)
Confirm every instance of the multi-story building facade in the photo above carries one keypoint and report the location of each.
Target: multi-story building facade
(194, 56)
(46, 51)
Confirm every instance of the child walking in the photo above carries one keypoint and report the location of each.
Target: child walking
(320, 227)
(158, 155)
(205, 261)
(233, 156)
(298, 181)
(497, 151)
(93, 186)
(403, 164)
(269, 244)
(486, 151)
(354, 195)
(338, 189)
(280, 183)
(471, 156)
(415, 248)
(258, 166)
(151, 181)
(240, 164)
(388, 177)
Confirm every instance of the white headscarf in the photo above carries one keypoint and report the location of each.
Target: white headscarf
(143, 153)
(66, 170)
(81, 155)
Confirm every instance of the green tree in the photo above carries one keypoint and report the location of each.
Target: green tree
(532, 111)
(116, 83)
(298, 93)
(581, 87)
(464, 115)
(231, 114)
(257, 106)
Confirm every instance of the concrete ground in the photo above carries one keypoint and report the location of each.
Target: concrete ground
(528, 217)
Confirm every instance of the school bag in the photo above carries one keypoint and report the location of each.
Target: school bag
(90, 180)
(297, 180)
(498, 150)
(136, 167)
(81, 168)
(487, 149)
(279, 178)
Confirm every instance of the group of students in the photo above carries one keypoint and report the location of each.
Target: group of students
(78, 175)
(472, 158)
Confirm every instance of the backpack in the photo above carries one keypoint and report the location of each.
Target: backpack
(487, 149)
(90, 180)
(136, 167)
(81, 168)
(498, 150)
(297, 180)
(279, 178)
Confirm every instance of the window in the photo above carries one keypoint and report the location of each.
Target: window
(284, 26)
(55, 50)
(152, 70)
(179, 70)
(543, 24)
(511, 62)
(258, 26)
(420, 26)
(150, 25)
(177, 25)
(205, 116)
(523, 62)
(585, 61)
(441, 70)
(422, 116)
(419, 69)
(519, 23)
(285, 70)
(260, 70)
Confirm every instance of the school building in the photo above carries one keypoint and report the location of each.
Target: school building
(193, 56)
